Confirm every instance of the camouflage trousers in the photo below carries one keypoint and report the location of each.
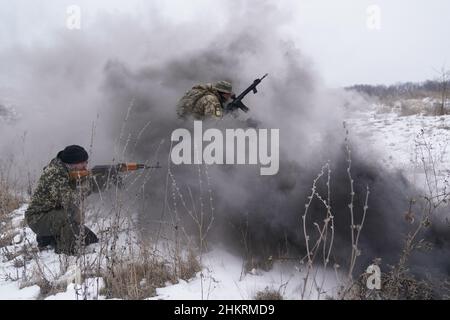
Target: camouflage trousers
(64, 227)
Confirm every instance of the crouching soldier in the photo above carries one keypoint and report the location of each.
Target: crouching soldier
(205, 101)
(55, 213)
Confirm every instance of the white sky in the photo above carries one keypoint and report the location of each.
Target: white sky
(414, 37)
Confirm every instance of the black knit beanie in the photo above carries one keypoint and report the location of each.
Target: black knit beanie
(73, 154)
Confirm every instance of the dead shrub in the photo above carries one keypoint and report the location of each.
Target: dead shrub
(8, 200)
(136, 280)
(18, 263)
(258, 263)
(187, 268)
(394, 286)
(6, 239)
(384, 108)
(48, 288)
(409, 108)
(268, 294)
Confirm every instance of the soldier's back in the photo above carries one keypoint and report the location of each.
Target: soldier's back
(189, 104)
(46, 196)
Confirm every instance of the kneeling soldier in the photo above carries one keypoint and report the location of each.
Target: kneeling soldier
(55, 212)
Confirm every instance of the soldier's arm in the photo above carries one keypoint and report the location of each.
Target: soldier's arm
(209, 105)
(60, 188)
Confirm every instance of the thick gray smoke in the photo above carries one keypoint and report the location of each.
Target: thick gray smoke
(267, 209)
(118, 88)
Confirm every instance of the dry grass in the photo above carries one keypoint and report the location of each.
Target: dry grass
(48, 288)
(254, 263)
(394, 286)
(134, 271)
(136, 280)
(268, 294)
(187, 268)
(8, 201)
(6, 239)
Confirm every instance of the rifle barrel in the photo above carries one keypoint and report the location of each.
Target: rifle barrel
(138, 166)
(237, 101)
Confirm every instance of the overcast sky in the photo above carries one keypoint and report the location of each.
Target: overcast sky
(413, 36)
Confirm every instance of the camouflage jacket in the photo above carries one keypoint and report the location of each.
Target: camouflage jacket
(201, 102)
(56, 191)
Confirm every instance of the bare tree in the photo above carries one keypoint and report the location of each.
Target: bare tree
(443, 79)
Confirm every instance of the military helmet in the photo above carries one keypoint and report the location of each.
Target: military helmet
(223, 86)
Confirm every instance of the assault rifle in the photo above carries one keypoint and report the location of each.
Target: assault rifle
(110, 170)
(237, 101)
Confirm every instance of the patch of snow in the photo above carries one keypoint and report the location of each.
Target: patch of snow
(89, 290)
(11, 291)
(223, 279)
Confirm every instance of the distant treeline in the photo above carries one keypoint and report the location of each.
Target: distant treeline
(404, 90)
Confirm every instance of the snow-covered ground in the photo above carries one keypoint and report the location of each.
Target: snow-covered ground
(415, 144)
(396, 137)
(222, 277)
(405, 143)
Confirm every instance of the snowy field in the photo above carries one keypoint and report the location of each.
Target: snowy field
(404, 143)
(414, 144)
(222, 277)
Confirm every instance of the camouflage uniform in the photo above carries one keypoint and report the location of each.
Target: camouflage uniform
(56, 208)
(203, 101)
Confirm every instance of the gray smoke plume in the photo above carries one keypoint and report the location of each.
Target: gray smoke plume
(116, 90)
(310, 118)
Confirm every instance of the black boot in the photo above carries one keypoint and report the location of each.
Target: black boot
(89, 236)
(65, 249)
(70, 246)
(45, 241)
